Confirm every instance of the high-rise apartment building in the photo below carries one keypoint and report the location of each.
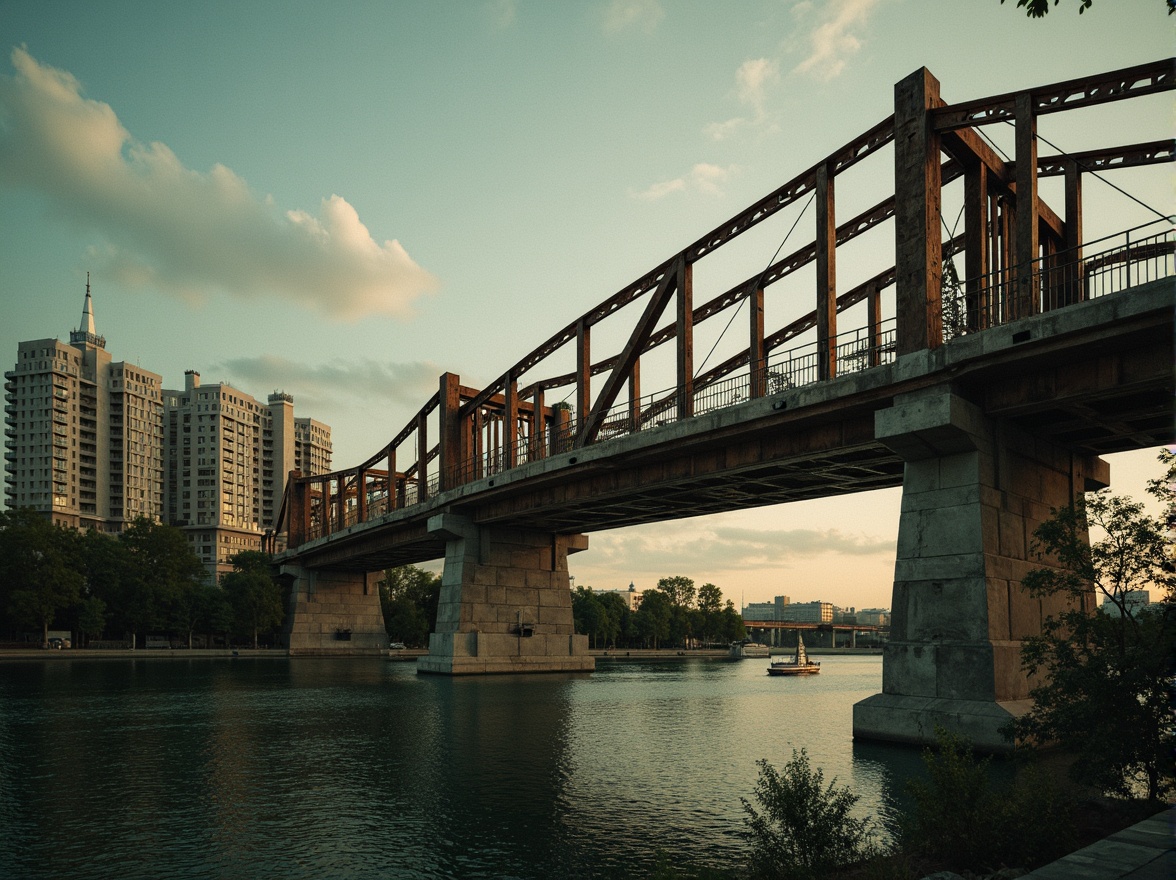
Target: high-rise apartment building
(227, 460)
(94, 444)
(83, 434)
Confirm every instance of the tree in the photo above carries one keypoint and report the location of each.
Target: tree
(38, 567)
(159, 570)
(254, 595)
(91, 618)
(652, 620)
(616, 616)
(732, 624)
(1040, 8)
(802, 829)
(679, 589)
(1105, 696)
(409, 597)
(588, 614)
(710, 612)
(962, 818)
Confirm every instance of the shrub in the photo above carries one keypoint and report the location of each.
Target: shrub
(961, 820)
(801, 829)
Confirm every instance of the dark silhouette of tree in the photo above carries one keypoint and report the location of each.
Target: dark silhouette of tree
(1040, 8)
(409, 597)
(1107, 691)
(38, 569)
(254, 595)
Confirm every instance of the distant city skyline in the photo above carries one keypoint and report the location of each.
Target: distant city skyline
(95, 444)
(342, 203)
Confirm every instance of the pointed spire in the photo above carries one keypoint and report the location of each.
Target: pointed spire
(85, 334)
(87, 325)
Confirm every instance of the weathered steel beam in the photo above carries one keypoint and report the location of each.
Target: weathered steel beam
(449, 441)
(1027, 241)
(826, 259)
(804, 183)
(1108, 158)
(1129, 82)
(918, 239)
(684, 282)
(590, 426)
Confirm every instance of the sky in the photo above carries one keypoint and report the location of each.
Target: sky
(343, 201)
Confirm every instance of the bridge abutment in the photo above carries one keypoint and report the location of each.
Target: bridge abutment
(334, 612)
(506, 602)
(974, 491)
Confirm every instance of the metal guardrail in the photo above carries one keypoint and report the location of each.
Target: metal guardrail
(1119, 262)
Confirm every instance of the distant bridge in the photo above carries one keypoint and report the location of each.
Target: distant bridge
(985, 372)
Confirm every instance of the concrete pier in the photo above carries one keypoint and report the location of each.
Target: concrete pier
(334, 613)
(506, 602)
(974, 491)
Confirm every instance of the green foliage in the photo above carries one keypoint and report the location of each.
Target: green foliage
(678, 589)
(961, 820)
(38, 569)
(1040, 8)
(149, 576)
(651, 623)
(409, 597)
(1106, 693)
(253, 594)
(802, 829)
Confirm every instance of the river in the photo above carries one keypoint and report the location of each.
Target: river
(306, 768)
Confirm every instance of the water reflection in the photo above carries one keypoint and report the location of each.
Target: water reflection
(312, 768)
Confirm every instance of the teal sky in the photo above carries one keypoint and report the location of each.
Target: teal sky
(345, 200)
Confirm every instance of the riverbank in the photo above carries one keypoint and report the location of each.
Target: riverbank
(10, 654)
(401, 654)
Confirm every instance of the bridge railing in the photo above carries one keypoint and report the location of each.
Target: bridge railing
(1120, 261)
(795, 367)
(481, 433)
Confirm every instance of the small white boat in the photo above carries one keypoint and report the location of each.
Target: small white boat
(798, 665)
(743, 650)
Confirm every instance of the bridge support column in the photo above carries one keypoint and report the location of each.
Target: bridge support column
(506, 602)
(334, 612)
(974, 491)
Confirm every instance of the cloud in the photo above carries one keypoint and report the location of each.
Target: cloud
(333, 386)
(835, 37)
(752, 80)
(673, 547)
(703, 177)
(187, 233)
(621, 15)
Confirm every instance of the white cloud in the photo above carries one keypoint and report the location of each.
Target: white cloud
(752, 80)
(703, 177)
(836, 36)
(333, 386)
(184, 232)
(622, 15)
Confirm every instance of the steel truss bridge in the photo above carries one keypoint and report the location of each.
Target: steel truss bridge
(791, 414)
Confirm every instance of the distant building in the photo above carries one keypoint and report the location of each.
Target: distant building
(228, 458)
(773, 610)
(874, 617)
(807, 612)
(1135, 600)
(631, 595)
(94, 444)
(83, 434)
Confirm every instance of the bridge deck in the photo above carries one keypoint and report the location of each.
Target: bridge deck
(1096, 376)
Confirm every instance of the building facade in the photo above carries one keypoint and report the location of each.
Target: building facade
(94, 444)
(227, 458)
(83, 434)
